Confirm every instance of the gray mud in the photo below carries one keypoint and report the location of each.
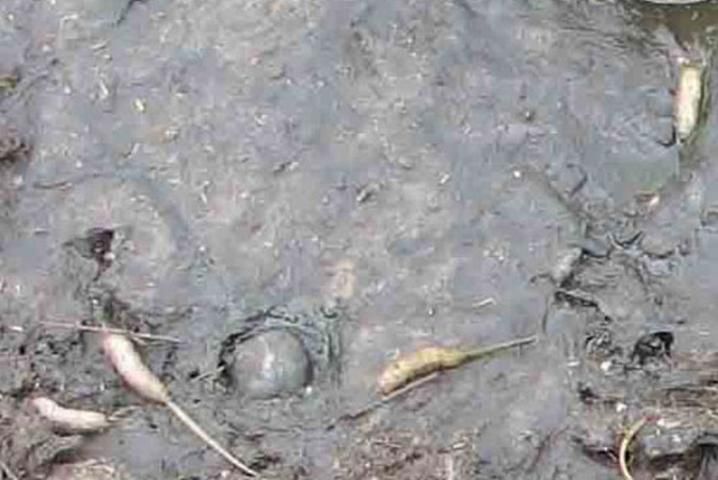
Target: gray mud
(370, 177)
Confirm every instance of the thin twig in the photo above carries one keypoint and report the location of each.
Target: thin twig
(409, 387)
(8, 472)
(484, 303)
(120, 331)
(211, 373)
(378, 403)
(625, 443)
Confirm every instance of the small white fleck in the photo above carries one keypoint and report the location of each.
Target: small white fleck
(606, 366)
(517, 173)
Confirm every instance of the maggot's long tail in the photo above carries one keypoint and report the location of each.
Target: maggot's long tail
(484, 351)
(204, 436)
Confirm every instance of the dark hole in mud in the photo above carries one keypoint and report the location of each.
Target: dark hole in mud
(655, 345)
(95, 244)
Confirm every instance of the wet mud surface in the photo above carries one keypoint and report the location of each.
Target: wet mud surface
(298, 192)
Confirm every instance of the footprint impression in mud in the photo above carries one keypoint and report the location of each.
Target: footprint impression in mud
(280, 351)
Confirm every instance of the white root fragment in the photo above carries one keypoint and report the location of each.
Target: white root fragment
(129, 366)
(68, 420)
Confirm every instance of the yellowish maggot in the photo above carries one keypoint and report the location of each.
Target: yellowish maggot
(433, 359)
(690, 99)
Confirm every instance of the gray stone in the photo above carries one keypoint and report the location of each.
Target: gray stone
(272, 364)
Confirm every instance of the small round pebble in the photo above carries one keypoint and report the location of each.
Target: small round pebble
(272, 364)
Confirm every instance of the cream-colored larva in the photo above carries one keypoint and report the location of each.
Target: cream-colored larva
(69, 420)
(129, 366)
(689, 99)
(132, 370)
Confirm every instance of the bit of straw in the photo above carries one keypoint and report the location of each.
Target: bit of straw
(625, 443)
(386, 399)
(484, 303)
(92, 328)
(8, 472)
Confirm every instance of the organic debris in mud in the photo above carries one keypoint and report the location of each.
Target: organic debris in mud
(384, 400)
(675, 436)
(108, 310)
(139, 337)
(392, 456)
(132, 370)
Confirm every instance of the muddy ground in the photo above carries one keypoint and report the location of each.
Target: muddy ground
(300, 191)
